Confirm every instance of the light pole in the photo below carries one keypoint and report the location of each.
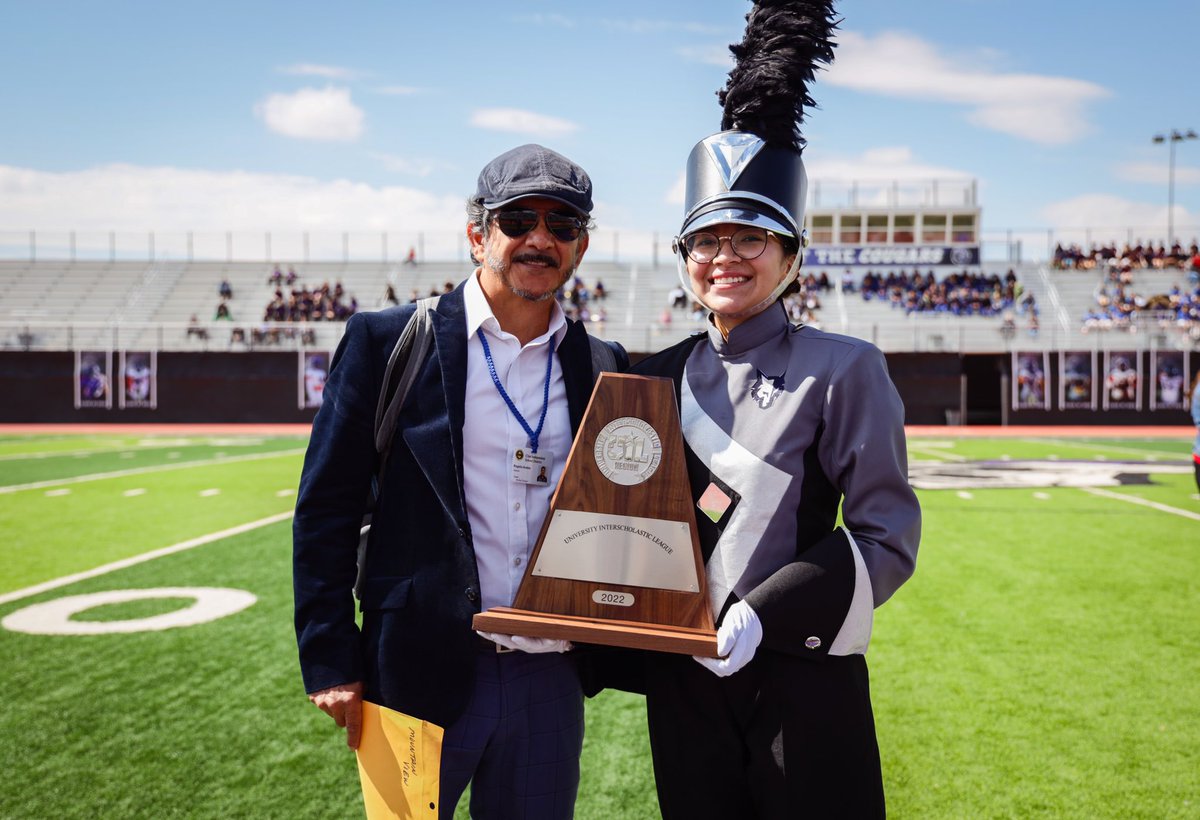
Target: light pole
(1172, 138)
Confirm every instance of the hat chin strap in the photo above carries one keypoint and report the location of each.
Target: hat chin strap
(793, 272)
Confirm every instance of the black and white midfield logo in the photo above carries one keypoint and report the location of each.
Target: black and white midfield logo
(998, 475)
(627, 451)
(766, 389)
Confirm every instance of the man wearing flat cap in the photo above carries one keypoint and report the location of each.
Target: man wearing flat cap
(497, 399)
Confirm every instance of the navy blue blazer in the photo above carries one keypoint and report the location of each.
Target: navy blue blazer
(415, 649)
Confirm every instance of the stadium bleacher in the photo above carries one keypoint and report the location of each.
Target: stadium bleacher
(60, 305)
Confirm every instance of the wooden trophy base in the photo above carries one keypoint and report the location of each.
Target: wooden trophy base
(607, 631)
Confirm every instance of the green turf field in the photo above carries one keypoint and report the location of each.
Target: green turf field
(1043, 662)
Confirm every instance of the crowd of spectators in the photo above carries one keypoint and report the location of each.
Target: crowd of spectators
(959, 294)
(1118, 307)
(316, 304)
(291, 301)
(1128, 257)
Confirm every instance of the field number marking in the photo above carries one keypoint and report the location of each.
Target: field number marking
(54, 617)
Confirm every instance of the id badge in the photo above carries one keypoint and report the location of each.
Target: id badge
(529, 467)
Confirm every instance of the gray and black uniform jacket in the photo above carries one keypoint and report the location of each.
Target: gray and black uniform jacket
(781, 424)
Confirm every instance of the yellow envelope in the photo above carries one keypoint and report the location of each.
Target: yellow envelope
(399, 764)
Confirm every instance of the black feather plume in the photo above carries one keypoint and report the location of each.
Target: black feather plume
(767, 91)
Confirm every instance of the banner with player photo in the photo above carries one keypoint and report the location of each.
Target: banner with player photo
(314, 369)
(1170, 369)
(139, 379)
(1077, 380)
(1030, 381)
(1122, 380)
(93, 384)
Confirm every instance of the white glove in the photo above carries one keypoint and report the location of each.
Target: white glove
(533, 646)
(737, 640)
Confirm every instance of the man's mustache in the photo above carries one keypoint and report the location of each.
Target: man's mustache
(536, 258)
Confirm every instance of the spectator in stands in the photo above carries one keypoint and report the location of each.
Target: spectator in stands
(389, 297)
(195, 329)
(848, 281)
(225, 290)
(598, 290)
(223, 313)
(411, 257)
(678, 297)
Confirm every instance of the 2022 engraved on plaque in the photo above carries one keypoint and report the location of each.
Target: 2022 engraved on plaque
(618, 559)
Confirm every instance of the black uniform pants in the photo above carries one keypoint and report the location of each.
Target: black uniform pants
(783, 737)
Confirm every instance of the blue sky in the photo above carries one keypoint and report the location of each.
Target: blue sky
(374, 116)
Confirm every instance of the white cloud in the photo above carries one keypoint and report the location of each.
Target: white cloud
(678, 191)
(881, 164)
(558, 20)
(1038, 108)
(1112, 218)
(414, 166)
(521, 122)
(1157, 173)
(313, 113)
(641, 26)
(877, 174)
(329, 72)
(130, 198)
(709, 55)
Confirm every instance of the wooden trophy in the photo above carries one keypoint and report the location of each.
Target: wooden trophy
(618, 560)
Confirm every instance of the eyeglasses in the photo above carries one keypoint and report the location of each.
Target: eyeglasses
(748, 243)
(517, 222)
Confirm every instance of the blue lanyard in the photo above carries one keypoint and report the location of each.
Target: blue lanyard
(533, 434)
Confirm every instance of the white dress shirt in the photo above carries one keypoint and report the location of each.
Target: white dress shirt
(506, 515)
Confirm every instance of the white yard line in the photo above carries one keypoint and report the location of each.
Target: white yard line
(79, 479)
(16, 595)
(1133, 499)
(1095, 445)
(938, 455)
(41, 454)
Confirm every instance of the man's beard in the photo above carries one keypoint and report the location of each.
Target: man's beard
(501, 268)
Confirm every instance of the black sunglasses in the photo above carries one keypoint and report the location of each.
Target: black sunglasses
(519, 221)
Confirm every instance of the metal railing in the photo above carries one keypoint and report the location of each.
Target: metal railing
(904, 334)
(1008, 245)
